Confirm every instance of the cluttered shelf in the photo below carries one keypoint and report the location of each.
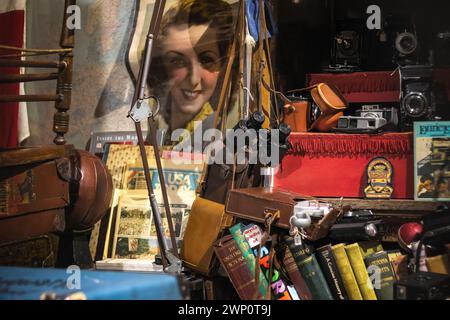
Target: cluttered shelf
(399, 206)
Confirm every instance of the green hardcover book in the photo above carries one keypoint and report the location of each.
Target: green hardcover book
(314, 278)
(330, 271)
(248, 255)
(379, 267)
(299, 252)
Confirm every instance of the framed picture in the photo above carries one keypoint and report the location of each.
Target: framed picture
(431, 160)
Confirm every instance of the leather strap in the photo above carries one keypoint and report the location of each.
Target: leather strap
(270, 218)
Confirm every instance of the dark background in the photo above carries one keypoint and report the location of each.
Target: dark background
(304, 41)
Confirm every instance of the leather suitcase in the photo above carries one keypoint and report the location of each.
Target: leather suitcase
(33, 198)
(254, 203)
(50, 189)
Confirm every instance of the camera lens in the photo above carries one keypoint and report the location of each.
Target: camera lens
(415, 104)
(406, 43)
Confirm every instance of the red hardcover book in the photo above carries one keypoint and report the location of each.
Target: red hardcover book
(234, 264)
(294, 274)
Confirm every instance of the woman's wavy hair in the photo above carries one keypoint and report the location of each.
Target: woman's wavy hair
(215, 13)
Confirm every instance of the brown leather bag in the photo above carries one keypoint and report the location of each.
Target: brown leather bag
(296, 115)
(330, 102)
(206, 221)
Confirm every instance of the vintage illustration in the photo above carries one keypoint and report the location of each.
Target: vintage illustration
(432, 154)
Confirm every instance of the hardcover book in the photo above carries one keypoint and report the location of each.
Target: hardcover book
(253, 234)
(378, 263)
(294, 274)
(356, 259)
(345, 269)
(299, 252)
(234, 264)
(431, 160)
(249, 257)
(310, 270)
(330, 270)
(315, 279)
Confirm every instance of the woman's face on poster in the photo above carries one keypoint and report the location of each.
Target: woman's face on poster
(192, 60)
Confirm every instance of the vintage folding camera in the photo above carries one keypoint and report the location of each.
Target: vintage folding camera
(347, 44)
(422, 286)
(417, 101)
(402, 32)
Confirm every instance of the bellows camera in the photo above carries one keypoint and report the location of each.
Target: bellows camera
(347, 44)
(347, 48)
(404, 37)
(416, 95)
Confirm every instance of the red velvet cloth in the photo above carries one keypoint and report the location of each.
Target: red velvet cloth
(11, 24)
(334, 165)
(371, 87)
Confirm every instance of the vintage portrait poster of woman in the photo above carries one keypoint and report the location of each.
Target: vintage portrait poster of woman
(189, 57)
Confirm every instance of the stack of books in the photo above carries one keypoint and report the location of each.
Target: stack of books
(344, 271)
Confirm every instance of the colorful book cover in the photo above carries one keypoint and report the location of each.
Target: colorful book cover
(359, 269)
(431, 160)
(380, 269)
(253, 234)
(346, 271)
(248, 255)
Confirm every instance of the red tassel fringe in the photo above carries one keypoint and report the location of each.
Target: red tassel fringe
(351, 144)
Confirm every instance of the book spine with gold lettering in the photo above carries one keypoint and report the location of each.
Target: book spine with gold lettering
(233, 262)
(359, 269)
(249, 257)
(380, 269)
(345, 269)
(330, 271)
(294, 274)
(315, 279)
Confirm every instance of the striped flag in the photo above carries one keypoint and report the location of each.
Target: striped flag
(13, 116)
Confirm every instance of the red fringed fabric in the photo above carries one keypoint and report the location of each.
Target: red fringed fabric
(349, 145)
(359, 81)
(376, 86)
